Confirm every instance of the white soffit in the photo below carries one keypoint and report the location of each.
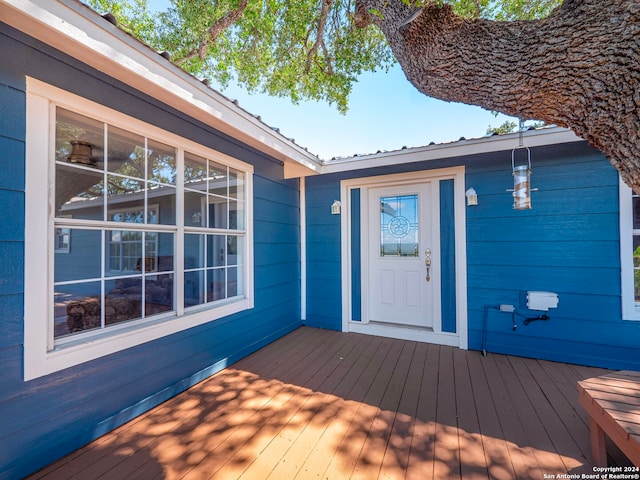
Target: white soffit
(78, 31)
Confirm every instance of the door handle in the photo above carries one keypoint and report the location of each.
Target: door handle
(427, 262)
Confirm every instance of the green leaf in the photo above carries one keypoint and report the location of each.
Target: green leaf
(275, 46)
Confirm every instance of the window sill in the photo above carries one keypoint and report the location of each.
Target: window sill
(90, 348)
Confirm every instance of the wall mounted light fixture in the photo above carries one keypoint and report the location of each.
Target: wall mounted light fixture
(472, 197)
(335, 207)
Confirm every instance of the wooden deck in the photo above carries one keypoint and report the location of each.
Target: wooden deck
(327, 405)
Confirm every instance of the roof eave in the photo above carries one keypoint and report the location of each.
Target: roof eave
(78, 31)
(533, 138)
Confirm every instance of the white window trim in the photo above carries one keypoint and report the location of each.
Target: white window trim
(630, 309)
(39, 357)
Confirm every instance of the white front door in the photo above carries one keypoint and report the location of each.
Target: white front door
(402, 248)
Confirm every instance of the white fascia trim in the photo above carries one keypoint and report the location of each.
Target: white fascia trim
(533, 138)
(78, 31)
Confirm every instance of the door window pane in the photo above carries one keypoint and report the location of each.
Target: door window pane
(399, 226)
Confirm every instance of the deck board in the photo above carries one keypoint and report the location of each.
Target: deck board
(309, 418)
(250, 438)
(541, 402)
(396, 456)
(472, 455)
(570, 421)
(329, 405)
(374, 418)
(327, 443)
(361, 402)
(421, 454)
(447, 447)
(499, 421)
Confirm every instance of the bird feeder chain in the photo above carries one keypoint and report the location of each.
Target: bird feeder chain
(520, 133)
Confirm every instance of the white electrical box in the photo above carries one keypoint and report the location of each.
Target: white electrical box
(541, 300)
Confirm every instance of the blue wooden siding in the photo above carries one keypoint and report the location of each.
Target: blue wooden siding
(324, 296)
(448, 256)
(568, 243)
(356, 258)
(12, 127)
(51, 416)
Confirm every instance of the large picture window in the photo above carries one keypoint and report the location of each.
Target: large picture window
(159, 227)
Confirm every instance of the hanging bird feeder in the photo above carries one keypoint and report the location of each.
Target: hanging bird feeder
(521, 182)
(521, 176)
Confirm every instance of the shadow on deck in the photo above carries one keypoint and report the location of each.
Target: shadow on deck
(323, 404)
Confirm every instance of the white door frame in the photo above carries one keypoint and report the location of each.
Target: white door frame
(460, 338)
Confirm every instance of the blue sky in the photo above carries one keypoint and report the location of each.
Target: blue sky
(385, 113)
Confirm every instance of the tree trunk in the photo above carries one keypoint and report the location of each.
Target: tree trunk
(577, 68)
